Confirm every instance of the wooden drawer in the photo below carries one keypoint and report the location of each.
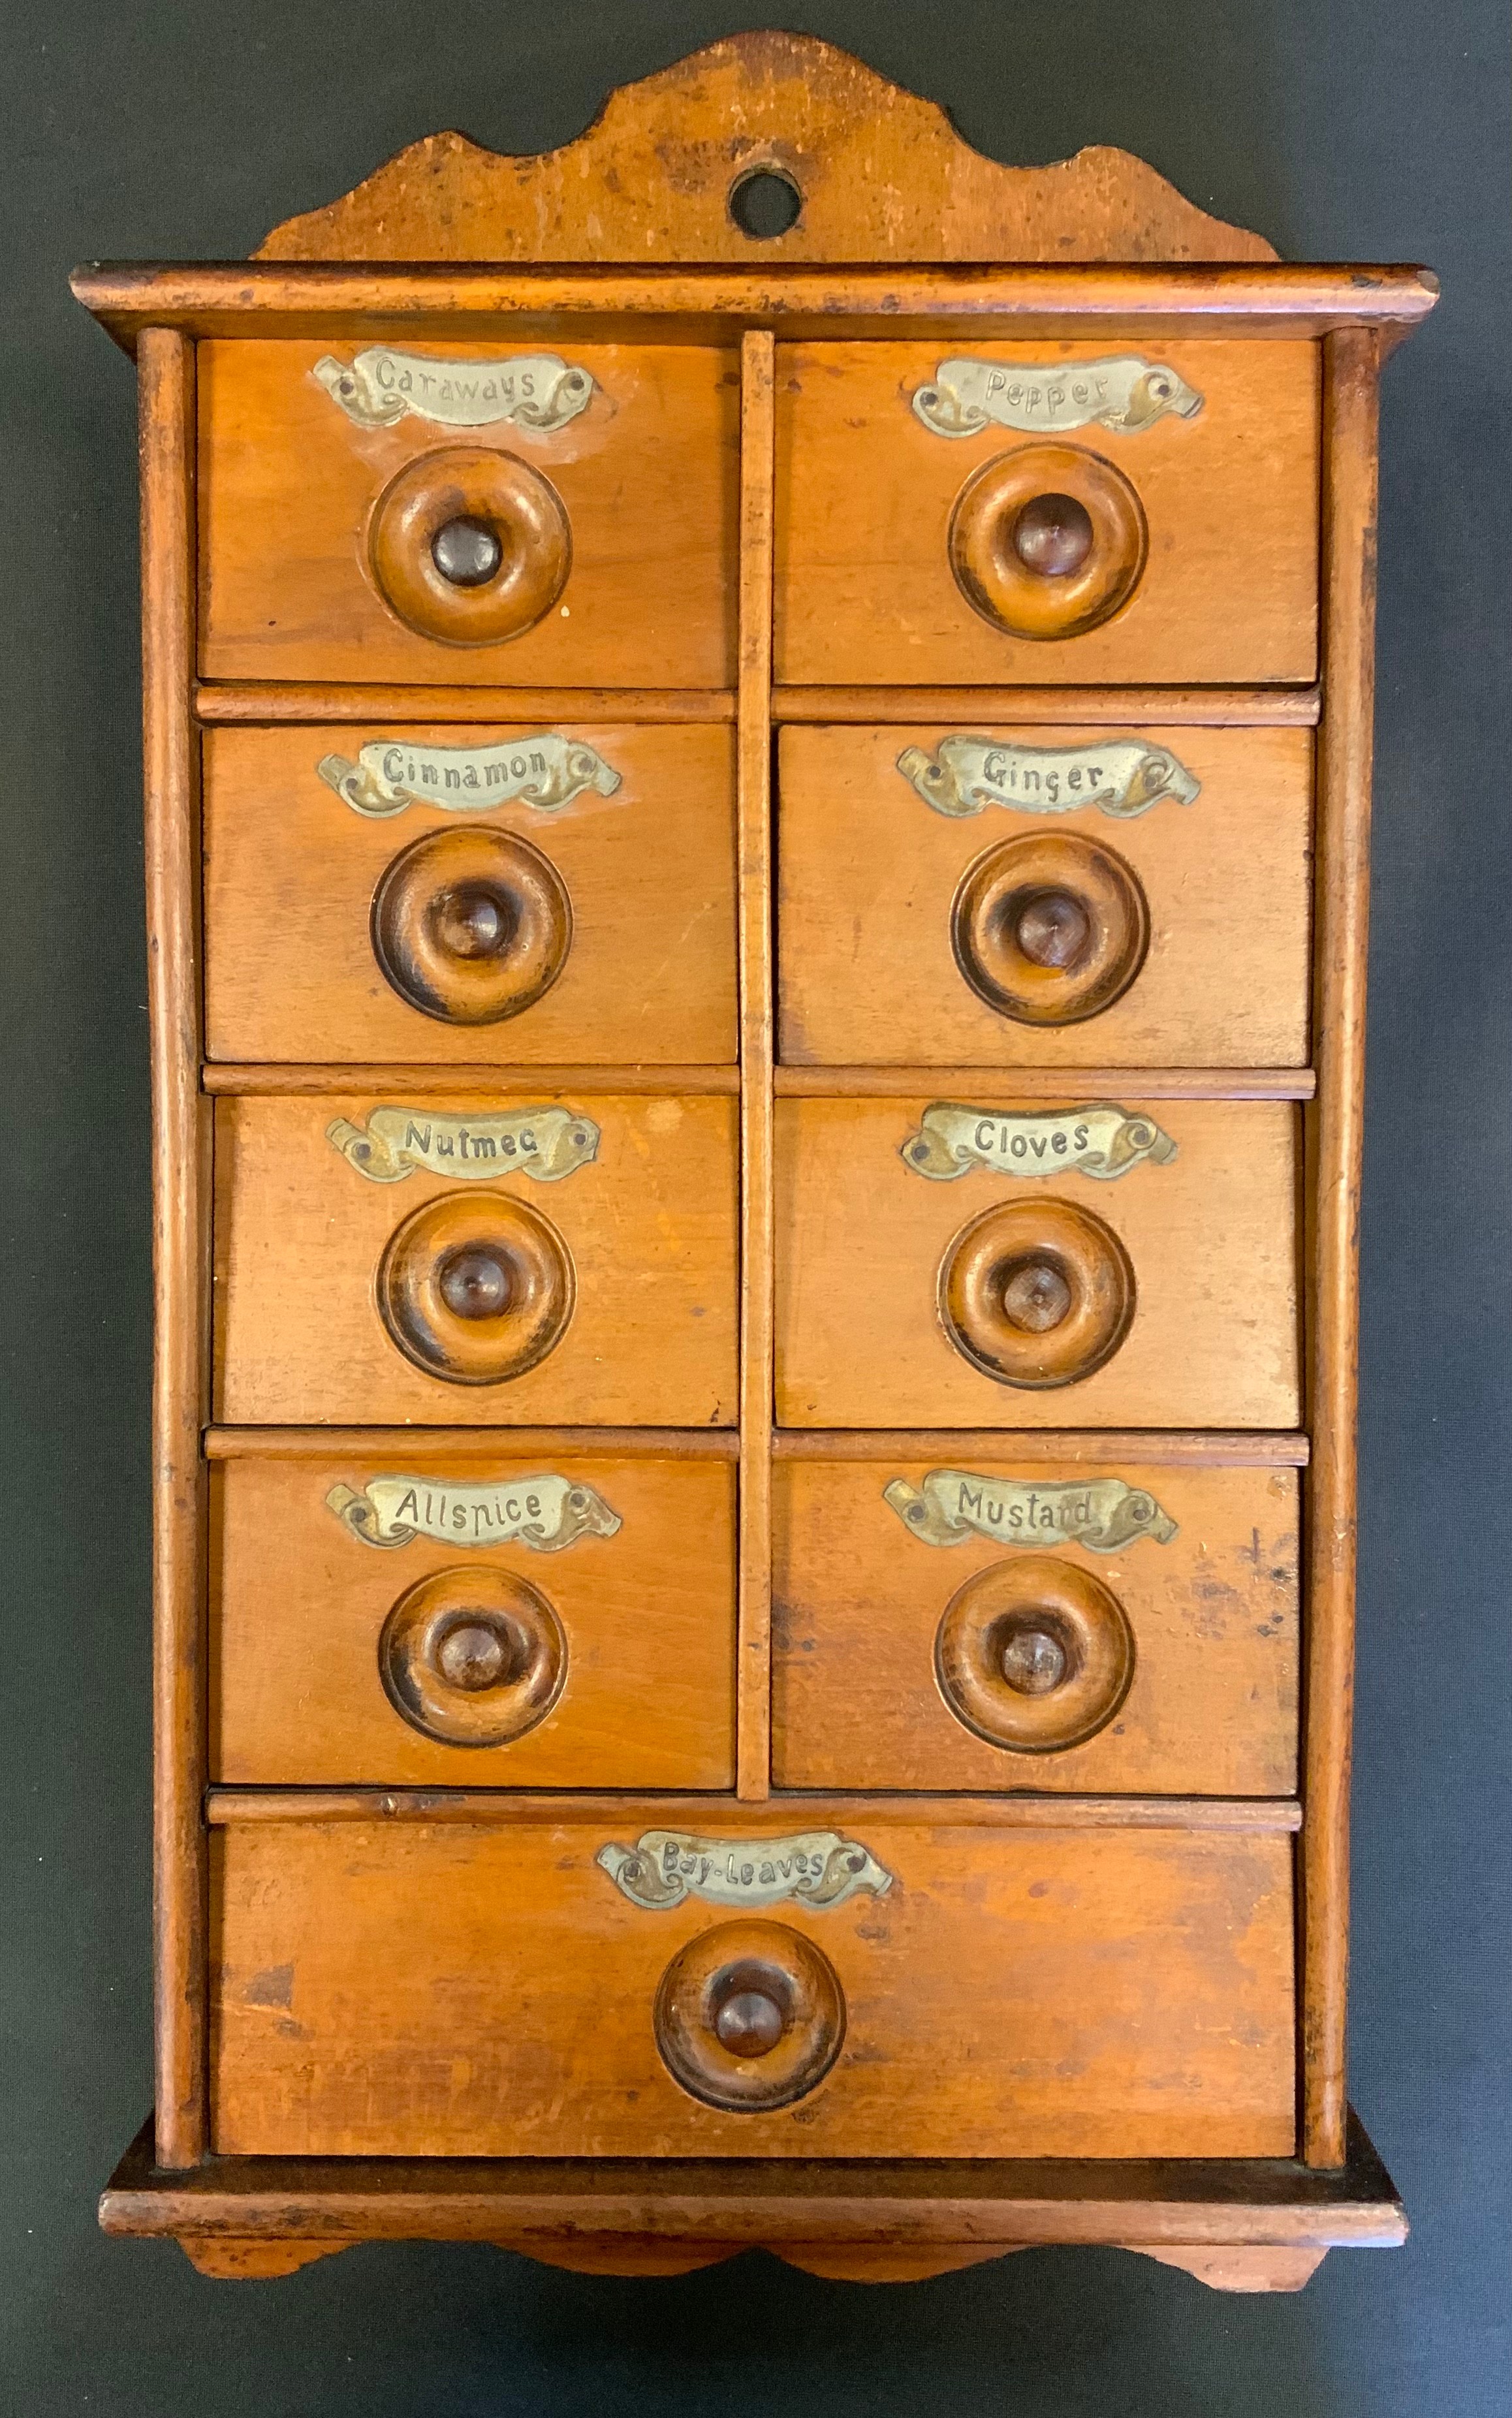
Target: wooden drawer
(392, 1612)
(1047, 1990)
(919, 922)
(1211, 515)
(367, 896)
(616, 522)
(1100, 1624)
(1181, 1269)
(599, 1288)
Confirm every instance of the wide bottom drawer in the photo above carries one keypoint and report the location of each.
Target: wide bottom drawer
(665, 1980)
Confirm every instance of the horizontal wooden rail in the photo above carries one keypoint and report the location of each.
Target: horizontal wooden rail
(225, 1806)
(279, 701)
(327, 302)
(606, 1082)
(1214, 708)
(1000, 1082)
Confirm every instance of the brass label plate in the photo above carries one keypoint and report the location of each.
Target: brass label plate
(1101, 1140)
(1121, 777)
(545, 1144)
(538, 393)
(1104, 1514)
(1125, 394)
(547, 1513)
(544, 771)
(816, 1868)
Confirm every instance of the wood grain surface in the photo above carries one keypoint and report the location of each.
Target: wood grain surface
(290, 870)
(869, 871)
(880, 174)
(1335, 1158)
(865, 492)
(650, 1224)
(181, 1182)
(1212, 1237)
(647, 473)
(1212, 1705)
(758, 1018)
(1050, 1993)
(649, 1617)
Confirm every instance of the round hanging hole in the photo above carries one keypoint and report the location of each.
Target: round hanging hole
(764, 203)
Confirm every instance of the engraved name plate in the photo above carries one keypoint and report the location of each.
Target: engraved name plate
(1104, 1514)
(547, 1513)
(1121, 777)
(817, 1868)
(544, 771)
(1102, 1141)
(1125, 394)
(545, 1144)
(536, 393)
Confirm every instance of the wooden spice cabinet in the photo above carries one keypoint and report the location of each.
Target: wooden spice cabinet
(757, 878)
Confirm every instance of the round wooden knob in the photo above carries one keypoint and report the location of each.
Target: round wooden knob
(473, 1657)
(1036, 1292)
(1053, 535)
(1049, 929)
(750, 2016)
(469, 545)
(476, 1288)
(467, 552)
(471, 926)
(1034, 1654)
(1048, 540)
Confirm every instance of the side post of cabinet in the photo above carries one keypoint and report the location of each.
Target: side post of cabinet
(753, 872)
(1335, 1143)
(182, 1143)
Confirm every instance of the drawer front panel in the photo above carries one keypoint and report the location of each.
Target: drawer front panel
(379, 1618)
(605, 1294)
(1034, 1993)
(364, 899)
(896, 1288)
(927, 1636)
(908, 897)
(872, 499)
(323, 532)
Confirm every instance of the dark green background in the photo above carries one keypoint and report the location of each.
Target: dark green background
(1370, 132)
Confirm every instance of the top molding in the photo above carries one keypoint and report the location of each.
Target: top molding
(882, 175)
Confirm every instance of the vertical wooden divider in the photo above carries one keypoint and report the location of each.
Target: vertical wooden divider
(180, 1210)
(754, 875)
(1334, 1135)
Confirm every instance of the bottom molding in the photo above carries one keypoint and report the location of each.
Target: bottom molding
(1251, 2224)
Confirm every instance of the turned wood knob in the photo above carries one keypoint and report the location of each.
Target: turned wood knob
(473, 1657)
(750, 2011)
(1036, 1292)
(1053, 535)
(749, 2016)
(476, 1288)
(1049, 927)
(1034, 1661)
(1048, 540)
(474, 1281)
(466, 551)
(471, 926)
(470, 545)
(1034, 1654)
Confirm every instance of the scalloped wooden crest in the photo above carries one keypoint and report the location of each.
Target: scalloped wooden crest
(882, 175)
